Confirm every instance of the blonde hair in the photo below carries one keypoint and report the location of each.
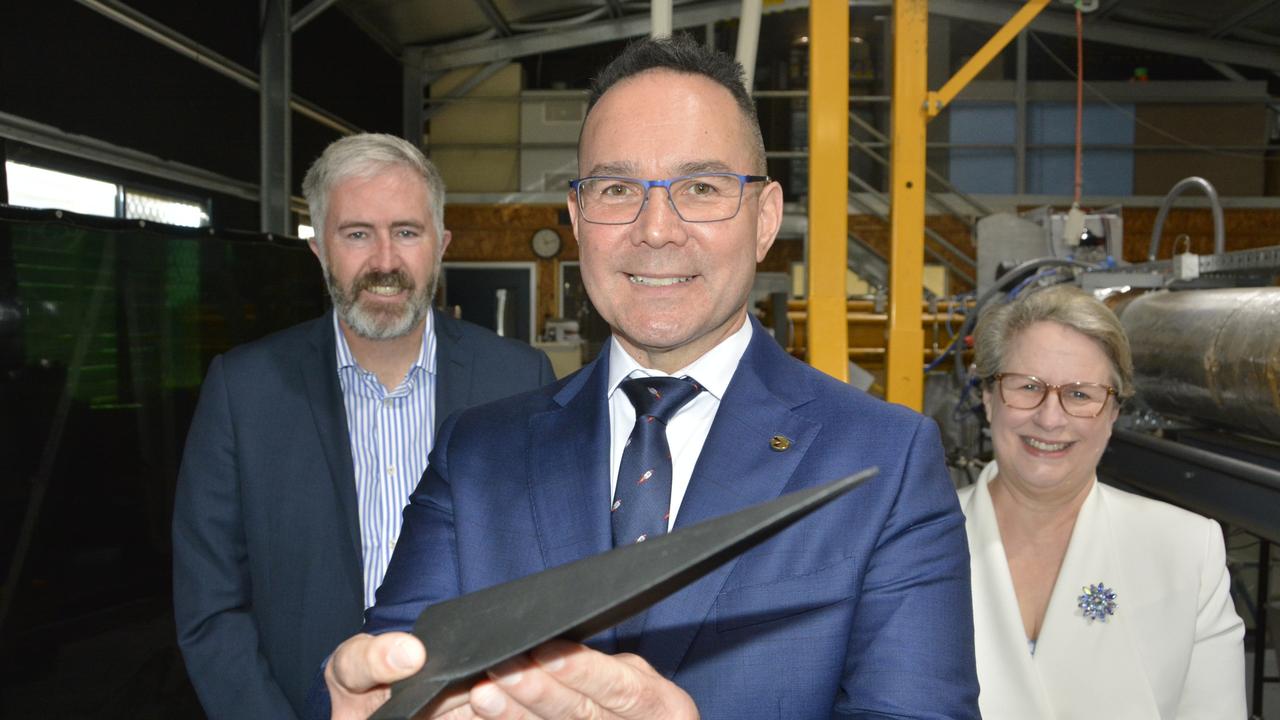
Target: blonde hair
(1066, 305)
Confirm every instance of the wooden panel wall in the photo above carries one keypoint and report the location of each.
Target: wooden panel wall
(1245, 228)
(501, 233)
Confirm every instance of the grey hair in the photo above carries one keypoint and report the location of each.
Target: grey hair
(1066, 305)
(366, 155)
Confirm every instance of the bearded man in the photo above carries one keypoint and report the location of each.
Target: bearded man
(306, 444)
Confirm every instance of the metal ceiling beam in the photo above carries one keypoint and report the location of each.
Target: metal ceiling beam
(275, 127)
(591, 34)
(1227, 71)
(308, 13)
(192, 50)
(464, 88)
(389, 45)
(1123, 34)
(494, 17)
(1256, 36)
(1116, 33)
(39, 135)
(1240, 18)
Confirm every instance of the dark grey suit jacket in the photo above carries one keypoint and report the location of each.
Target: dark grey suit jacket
(266, 535)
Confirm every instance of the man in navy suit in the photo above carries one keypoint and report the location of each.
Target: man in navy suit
(860, 610)
(306, 444)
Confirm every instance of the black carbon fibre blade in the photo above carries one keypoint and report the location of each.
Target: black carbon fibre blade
(468, 635)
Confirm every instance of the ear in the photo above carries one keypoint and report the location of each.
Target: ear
(768, 218)
(315, 250)
(571, 201)
(445, 239)
(986, 403)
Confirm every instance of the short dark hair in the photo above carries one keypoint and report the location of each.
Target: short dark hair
(682, 54)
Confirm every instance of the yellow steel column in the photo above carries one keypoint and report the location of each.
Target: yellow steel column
(904, 371)
(828, 329)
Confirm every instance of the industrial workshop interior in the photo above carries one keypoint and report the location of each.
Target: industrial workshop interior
(936, 157)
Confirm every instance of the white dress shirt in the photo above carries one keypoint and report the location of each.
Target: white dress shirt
(688, 429)
(391, 433)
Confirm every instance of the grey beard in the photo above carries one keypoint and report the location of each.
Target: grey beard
(381, 324)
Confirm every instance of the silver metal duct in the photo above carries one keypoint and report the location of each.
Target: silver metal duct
(1209, 354)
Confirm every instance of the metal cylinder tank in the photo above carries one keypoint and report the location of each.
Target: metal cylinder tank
(1209, 354)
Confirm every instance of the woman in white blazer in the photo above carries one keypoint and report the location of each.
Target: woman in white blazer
(1088, 602)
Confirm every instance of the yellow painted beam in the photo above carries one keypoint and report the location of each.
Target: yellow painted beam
(989, 51)
(828, 332)
(904, 367)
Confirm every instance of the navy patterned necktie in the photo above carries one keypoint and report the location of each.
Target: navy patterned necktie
(642, 500)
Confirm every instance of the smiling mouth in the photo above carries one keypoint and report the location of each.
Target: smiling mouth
(384, 290)
(1046, 446)
(658, 282)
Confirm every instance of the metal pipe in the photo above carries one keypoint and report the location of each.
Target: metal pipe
(660, 18)
(1219, 234)
(749, 39)
(1209, 354)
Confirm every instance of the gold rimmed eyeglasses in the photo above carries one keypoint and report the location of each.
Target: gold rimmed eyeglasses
(1078, 399)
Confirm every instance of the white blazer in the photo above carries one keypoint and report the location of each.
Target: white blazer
(1174, 649)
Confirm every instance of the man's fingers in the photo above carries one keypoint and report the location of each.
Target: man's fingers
(365, 662)
(521, 690)
(570, 680)
(612, 682)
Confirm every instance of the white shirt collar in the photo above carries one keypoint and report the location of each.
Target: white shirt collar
(426, 359)
(713, 370)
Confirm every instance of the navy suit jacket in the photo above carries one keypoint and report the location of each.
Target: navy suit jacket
(266, 534)
(860, 610)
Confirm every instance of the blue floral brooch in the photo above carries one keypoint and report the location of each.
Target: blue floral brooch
(1097, 602)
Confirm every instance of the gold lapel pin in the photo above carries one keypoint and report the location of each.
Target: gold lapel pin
(780, 443)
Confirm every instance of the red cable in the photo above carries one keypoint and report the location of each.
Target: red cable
(1079, 98)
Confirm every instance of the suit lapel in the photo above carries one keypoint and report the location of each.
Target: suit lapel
(319, 368)
(569, 471)
(1086, 665)
(736, 468)
(1011, 687)
(453, 367)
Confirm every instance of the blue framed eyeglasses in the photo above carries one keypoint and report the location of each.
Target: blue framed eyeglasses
(706, 197)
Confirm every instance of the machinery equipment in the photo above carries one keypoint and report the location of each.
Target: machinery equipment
(1204, 428)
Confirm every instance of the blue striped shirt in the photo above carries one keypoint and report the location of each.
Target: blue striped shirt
(391, 435)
